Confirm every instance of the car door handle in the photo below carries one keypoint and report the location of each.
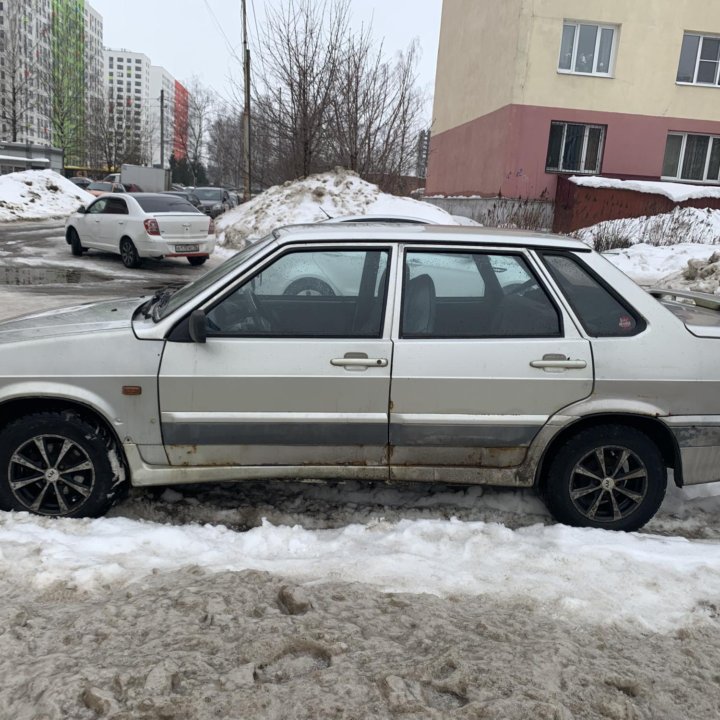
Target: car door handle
(558, 362)
(359, 362)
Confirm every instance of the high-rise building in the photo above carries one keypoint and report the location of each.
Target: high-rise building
(181, 121)
(25, 58)
(129, 103)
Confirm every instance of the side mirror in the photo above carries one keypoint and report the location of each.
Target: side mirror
(197, 326)
(82, 210)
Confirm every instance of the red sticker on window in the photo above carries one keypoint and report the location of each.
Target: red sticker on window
(625, 322)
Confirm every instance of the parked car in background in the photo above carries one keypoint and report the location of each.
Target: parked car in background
(132, 188)
(188, 195)
(213, 201)
(100, 187)
(569, 378)
(234, 198)
(144, 225)
(112, 177)
(81, 182)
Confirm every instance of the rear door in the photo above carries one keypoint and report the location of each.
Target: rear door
(286, 377)
(483, 357)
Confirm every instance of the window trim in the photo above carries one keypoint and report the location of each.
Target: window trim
(694, 82)
(683, 145)
(601, 149)
(529, 265)
(573, 62)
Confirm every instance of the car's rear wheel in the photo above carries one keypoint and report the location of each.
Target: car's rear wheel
(75, 245)
(129, 253)
(59, 464)
(194, 261)
(610, 477)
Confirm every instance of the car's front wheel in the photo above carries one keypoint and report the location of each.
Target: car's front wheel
(59, 464)
(129, 253)
(75, 245)
(610, 477)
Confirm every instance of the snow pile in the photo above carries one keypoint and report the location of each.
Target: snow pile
(317, 198)
(663, 582)
(681, 225)
(677, 192)
(39, 194)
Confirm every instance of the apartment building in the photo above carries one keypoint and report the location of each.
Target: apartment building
(129, 102)
(527, 90)
(181, 121)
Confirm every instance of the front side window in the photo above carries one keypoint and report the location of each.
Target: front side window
(699, 60)
(587, 48)
(575, 147)
(600, 311)
(474, 295)
(309, 293)
(692, 157)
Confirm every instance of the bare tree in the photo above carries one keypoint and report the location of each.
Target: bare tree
(201, 106)
(24, 90)
(302, 52)
(225, 149)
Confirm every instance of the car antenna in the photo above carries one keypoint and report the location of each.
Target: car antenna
(329, 217)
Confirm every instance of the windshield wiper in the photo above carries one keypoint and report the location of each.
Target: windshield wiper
(156, 302)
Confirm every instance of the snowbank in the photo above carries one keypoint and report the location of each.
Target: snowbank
(317, 198)
(677, 192)
(39, 194)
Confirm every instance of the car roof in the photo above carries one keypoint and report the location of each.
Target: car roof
(413, 232)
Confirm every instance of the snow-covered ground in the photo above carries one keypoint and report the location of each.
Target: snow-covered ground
(301, 600)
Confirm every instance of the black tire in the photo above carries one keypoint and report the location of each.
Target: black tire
(75, 245)
(47, 448)
(129, 254)
(195, 261)
(309, 286)
(610, 477)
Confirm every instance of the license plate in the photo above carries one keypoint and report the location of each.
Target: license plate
(186, 248)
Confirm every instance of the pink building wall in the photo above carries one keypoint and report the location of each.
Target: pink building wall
(504, 152)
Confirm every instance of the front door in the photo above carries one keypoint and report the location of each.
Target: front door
(483, 357)
(295, 370)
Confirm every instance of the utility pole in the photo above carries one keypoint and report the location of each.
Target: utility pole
(162, 129)
(246, 111)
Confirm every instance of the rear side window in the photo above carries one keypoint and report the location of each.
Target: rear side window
(164, 203)
(600, 310)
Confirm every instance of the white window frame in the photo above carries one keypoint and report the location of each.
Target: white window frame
(678, 177)
(613, 50)
(694, 81)
(601, 148)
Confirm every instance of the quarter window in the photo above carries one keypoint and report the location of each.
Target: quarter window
(699, 60)
(692, 157)
(587, 48)
(574, 147)
(318, 293)
(600, 310)
(474, 295)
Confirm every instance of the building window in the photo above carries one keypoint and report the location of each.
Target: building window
(575, 148)
(699, 60)
(692, 157)
(587, 49)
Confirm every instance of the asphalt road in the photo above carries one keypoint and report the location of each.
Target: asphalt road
(38, 272)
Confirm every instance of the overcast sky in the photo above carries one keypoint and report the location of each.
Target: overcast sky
(192, 37)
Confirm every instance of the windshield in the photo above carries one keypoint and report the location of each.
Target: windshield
(209, 193)
(189, 291)
(100, 186)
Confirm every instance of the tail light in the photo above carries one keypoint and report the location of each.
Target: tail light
(211, 229)
(151, 226)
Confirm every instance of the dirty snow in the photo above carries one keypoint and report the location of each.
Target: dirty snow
(39, 194)
(677, 192)
(314, 199)
(350, 600)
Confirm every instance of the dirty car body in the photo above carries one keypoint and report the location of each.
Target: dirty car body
(454, 355)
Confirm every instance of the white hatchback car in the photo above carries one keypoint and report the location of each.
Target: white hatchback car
(142, 225)
(454, 355)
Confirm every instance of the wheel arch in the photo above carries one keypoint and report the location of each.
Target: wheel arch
(654, 428)
(16, 407)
